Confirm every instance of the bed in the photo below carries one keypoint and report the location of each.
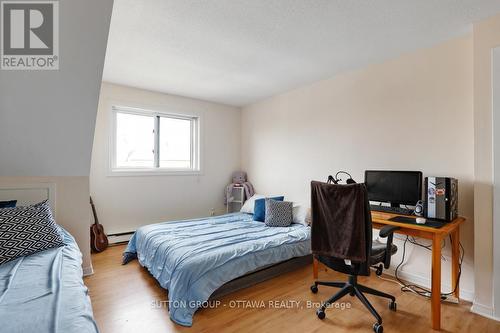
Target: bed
(192, 259)
(44, 292)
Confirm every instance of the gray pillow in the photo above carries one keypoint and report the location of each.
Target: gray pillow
(27, 230)
(278, 213)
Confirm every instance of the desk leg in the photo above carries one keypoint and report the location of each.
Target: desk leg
(455, 258)
(315, 268)
(436, 282)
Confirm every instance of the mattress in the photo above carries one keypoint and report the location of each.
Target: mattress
(44, 292)
(193, 258)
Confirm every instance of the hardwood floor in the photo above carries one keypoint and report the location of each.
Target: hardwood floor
(126, 298)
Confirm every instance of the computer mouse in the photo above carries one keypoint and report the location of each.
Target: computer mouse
(420, 220)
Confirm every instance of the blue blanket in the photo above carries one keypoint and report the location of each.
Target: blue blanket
(193, 258)
(44, 292)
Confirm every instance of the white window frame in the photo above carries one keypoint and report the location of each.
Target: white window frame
(195, 168)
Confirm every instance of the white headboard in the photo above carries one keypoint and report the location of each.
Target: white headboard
(27, 194)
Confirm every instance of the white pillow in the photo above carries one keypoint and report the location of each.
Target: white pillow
(300, 215)
(249, 205)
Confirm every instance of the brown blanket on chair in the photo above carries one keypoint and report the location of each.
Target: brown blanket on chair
(338, 220)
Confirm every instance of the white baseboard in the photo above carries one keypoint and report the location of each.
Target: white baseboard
(484, 310)
(119, 239)
(423, 281)
(89, 270)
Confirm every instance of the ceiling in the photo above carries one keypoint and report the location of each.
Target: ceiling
(238, 52)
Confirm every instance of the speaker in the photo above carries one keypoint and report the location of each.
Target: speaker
(419, 208)
(441, 198)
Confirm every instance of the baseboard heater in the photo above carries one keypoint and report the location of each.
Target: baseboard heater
(120, 237)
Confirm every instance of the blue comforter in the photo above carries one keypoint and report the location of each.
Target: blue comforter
(193, 258)
(44, 292)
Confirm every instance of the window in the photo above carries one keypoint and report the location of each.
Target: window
(148, 141)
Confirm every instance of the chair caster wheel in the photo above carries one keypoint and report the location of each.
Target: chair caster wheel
(379, 270)
(393, 306)
(378, 328)
(314, 289)
(320, 313)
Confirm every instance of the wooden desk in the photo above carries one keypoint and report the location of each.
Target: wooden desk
(381, 219)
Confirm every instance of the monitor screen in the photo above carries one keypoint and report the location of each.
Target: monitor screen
(395, 187)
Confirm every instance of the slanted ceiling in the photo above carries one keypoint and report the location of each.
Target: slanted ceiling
(47, 118)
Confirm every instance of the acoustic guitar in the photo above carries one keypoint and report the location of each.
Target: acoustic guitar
(98, 239)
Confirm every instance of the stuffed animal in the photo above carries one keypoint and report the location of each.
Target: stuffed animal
(239, 179)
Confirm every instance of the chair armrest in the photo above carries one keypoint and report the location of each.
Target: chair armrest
(388, 231)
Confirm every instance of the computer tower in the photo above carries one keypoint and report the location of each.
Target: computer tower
(441, 198)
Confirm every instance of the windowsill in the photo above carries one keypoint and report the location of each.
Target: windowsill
(151, 172)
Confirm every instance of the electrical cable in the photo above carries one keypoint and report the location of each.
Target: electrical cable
(427, 247)
(421, 291)
(408, 287)
(410, 209)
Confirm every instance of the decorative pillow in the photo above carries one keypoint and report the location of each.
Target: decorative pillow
(259, 211)
(278, 213)
(8, 204)
(27, 230)
(248, 206)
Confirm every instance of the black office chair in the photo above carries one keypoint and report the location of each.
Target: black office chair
(331, 205)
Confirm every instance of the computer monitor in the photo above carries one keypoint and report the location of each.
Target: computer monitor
(394, 187)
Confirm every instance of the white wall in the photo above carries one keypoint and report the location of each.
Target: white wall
(411, 113)
(47, 117)
(125, 203)
(486, 37)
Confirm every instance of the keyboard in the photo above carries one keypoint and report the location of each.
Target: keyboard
(393, 210)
